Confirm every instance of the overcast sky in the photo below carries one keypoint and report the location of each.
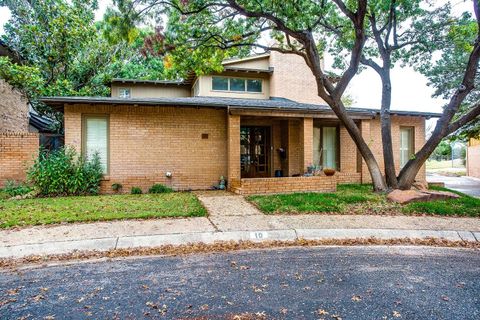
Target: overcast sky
(409, 88)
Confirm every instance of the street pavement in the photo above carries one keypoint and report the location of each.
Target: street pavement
(295, 283)
(467, 185)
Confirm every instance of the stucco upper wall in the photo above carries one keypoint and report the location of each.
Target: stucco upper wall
(292, 79)
(138, 90)
(261, 62)
(205, 86)
(13, 109)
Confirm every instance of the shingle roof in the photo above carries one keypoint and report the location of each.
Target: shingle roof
(273, 104)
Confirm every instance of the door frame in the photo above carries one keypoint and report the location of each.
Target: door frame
(268, 148)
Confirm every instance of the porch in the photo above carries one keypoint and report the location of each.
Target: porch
(275, 153)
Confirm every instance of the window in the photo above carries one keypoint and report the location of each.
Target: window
(219, 83)
(95, 138)
(325, 147)
(236, 84)
(254, 85)
(406, 144)
(124, 93)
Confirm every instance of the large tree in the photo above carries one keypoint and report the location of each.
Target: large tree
(67, 53)
(200, 33)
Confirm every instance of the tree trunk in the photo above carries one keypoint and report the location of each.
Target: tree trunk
(386, 129)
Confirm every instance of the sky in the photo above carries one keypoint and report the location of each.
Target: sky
(409, 88)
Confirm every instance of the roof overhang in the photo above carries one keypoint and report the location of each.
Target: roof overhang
(233, 105)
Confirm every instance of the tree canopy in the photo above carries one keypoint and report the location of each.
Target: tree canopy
(67, 53)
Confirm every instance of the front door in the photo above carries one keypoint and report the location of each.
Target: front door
(255, 151)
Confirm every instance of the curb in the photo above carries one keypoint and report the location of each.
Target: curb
(105, 244)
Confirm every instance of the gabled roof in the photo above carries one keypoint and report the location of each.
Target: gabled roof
(6, 51)
(41, 123)
(273, 104)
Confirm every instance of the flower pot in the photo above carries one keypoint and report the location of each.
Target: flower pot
(329, 172)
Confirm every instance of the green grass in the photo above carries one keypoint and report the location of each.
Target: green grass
(359, 199)
(464, 206)
(98, 208)
(340, 201)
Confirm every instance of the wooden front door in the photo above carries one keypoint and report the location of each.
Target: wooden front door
(255, 151)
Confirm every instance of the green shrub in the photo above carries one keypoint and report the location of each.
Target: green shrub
(136, 190)
(64, 172)
(14, 189)
(159, 188)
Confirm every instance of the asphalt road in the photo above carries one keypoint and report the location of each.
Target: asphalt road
(467, 185)
(296, 283)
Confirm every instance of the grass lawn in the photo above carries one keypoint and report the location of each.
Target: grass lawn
(98, 208)
(359, 199)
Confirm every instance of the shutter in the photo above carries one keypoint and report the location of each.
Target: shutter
(96, 139)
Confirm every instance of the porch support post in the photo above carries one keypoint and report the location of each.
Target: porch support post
(233, 151)
(366, 134)
(306, 139)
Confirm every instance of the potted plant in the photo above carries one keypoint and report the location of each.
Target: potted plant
(329, 171)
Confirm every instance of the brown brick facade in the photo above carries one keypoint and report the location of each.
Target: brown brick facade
(372, 135)
(147, 142)
(198, 145)
(287, 184)
(473, 158)
(17, 153)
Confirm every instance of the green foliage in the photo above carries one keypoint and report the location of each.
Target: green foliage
(67, 53)
(442, 151)
(14, 189)
(64, 172)
(117, 187)
(136, 190)
(159, 188)
(41, 211)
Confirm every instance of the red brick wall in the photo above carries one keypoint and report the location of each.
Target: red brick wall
(287, 184)
(17, 153)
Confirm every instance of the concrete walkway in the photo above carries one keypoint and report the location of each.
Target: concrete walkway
(230, 218)
(467, 185)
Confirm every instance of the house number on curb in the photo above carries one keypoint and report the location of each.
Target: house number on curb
(258, 235)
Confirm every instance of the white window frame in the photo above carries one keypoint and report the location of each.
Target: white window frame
(85, 118)
(410, 146)
(235, 91)
(123, 96)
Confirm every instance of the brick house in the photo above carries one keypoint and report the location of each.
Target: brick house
(257, 123)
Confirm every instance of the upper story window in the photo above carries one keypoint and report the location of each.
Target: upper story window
(236, 84)
(124, 93)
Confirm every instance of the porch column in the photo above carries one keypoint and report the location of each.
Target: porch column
(306, 139)
(233, 150)
(366, 134)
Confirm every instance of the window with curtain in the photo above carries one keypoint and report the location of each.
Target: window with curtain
(95, 138)
(325, 146)
(406, 145)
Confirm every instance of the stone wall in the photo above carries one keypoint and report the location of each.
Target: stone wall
(13, 109)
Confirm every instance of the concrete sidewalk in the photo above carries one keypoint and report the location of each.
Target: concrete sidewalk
(249, 225)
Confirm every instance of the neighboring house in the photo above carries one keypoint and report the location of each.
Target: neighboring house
(473, 158)
(259, 119)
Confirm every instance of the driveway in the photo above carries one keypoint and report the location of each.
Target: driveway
(296, 283)
(466, 185)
